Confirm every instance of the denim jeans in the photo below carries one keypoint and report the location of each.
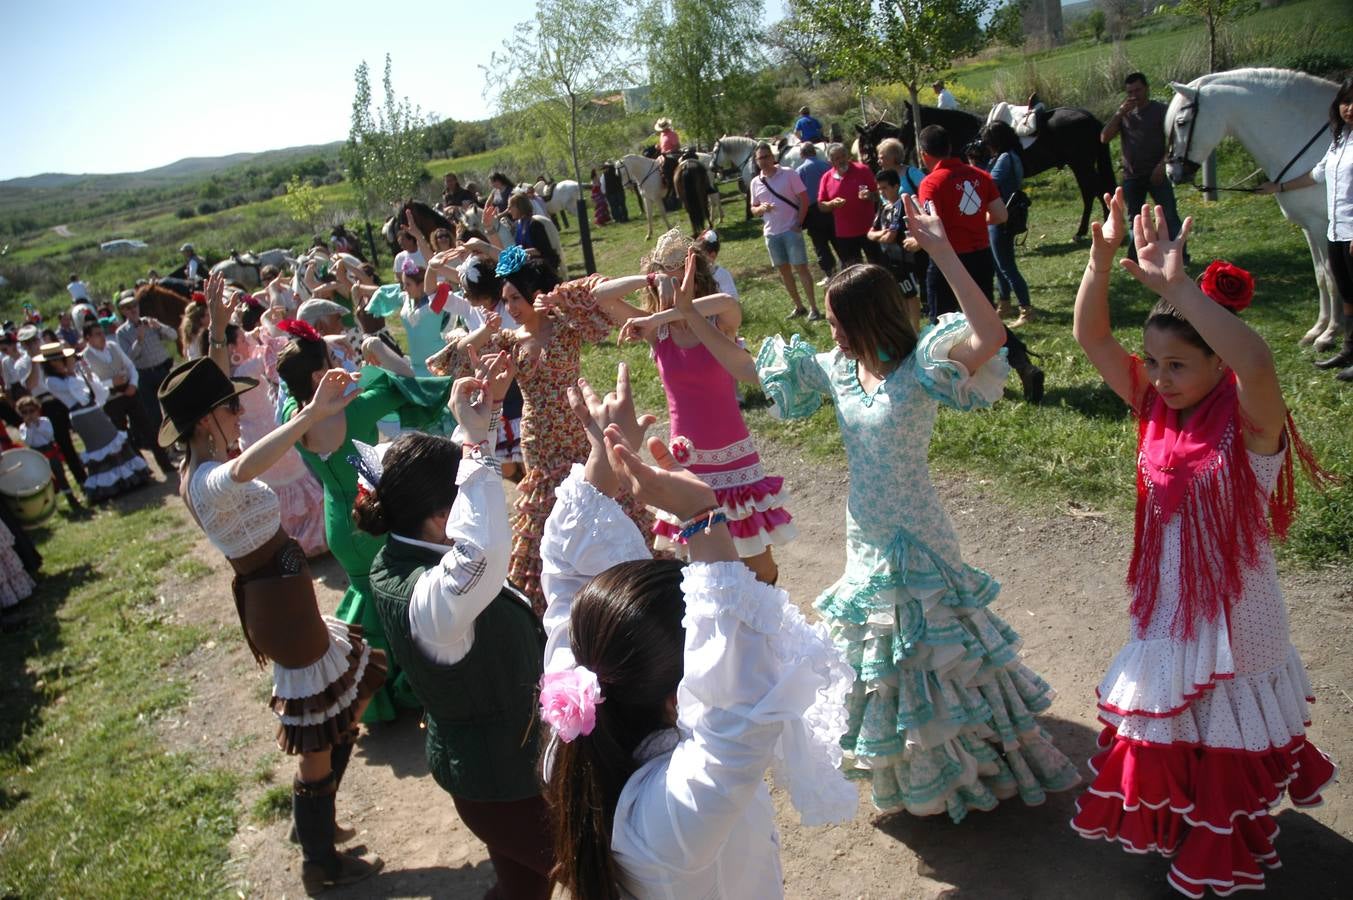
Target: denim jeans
(1008, 277)
(1135, 190)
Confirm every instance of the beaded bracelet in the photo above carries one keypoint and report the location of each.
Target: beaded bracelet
(704, 521)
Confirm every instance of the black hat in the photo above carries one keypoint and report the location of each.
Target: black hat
(192, 390)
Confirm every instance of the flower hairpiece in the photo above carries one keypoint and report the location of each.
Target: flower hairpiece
(199, 297)
(301, 330)
(510, 261)
(1228, 284)
(568, 701)
(408, 267)
(468, 270)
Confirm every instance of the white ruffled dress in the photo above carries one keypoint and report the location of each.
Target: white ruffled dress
(942, 710)
(762, 688)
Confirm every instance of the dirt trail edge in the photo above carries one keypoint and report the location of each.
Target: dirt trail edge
(1062, 589)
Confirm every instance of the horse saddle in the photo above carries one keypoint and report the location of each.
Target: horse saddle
(245, 259)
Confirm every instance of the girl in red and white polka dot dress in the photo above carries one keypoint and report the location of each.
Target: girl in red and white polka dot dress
(1205, 707)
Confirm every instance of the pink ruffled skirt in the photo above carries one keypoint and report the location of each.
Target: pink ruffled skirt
(757, 517)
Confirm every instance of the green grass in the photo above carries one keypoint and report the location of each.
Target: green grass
(92, 803)
(273, 805)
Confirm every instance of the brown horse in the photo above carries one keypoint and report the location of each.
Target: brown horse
(162, 304)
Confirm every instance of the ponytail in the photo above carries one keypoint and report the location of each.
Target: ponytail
(626, 627)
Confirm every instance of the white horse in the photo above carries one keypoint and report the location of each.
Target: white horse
(733, 151)
(1282, 119)
(502, 225)
(646, 175)
(563, 199)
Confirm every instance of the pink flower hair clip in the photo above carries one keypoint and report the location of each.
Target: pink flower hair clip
(682, 449)
(568, 701)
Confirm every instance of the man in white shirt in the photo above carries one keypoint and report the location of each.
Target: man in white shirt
(79, 291)
(193, 268)
(35, 382)
(108, 363)
(944, 99)
(9, 358)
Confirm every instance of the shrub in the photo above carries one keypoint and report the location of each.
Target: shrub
(206, 208)
(184, 212)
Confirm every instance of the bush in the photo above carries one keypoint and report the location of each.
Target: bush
(1315, 62)
(207, 208)
(184, 212)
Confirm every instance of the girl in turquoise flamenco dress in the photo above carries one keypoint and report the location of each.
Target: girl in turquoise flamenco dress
(942, 710)
(418, 403)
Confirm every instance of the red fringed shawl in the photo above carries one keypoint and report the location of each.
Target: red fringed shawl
(1200, 471)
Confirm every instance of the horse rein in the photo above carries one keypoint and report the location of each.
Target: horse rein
(1188, 145)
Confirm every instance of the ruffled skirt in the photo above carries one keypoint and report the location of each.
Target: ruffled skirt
(15, 582)
(314, 705)
(1194, 758)
(942, 710)
(112, 464)
(757, 519)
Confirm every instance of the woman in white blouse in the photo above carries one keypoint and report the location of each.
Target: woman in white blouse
(669, 689)
(1335, 171)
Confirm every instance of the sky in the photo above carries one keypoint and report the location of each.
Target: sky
(121, 87)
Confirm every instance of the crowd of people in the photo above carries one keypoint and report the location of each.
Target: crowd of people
(607, 670)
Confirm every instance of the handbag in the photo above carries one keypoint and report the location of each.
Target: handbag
(1017, 208)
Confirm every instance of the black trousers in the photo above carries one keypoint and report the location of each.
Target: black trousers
(129, 415)
(147, 388)
(1342, 264)
(982, 267)
(56, 411)
(519, 839)
(853, 250)
(821, 229)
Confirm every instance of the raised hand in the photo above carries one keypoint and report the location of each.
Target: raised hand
(218, 308)
(335, 391)
(639, 328)
(493, 321)
(496, 371)
(924, 226)
(1160, 260)
(598, 413)
(685, 292)
(1107, 236)
(470, 405)
(665, 485)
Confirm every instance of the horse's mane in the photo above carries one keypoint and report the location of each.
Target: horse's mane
(1279, 78)
(148, 291)
(738, 140)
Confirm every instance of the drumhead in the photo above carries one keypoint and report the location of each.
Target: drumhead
(23, 471)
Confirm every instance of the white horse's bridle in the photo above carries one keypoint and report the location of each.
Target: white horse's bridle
(714, 155)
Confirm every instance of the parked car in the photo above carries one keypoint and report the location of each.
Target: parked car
(122, 245)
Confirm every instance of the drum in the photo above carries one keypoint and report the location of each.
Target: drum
(26, 485)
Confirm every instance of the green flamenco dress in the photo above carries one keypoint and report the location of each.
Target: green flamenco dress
(942, 710)
(418, 403)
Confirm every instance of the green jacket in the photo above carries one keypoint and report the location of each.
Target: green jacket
(482, 728)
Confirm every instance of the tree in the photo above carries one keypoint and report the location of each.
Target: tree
(1211, 12)
(383, 157)
(302, 202)
(794, 48)
(700, 54)
(1006, 25)
(548, 77)
(896, 40)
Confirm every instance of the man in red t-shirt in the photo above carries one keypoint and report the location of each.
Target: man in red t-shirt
(848, 192)
(967, 201)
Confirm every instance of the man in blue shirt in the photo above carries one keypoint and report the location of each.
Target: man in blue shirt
(807, 128)
(819, 222)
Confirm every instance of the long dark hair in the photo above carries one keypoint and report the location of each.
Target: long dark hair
(1000, 138)
(534, 277)
(1168, 319)
(1344, 93)
(487, 287)
(626, 627)
(869, 308)
(418, 481)
(300, 359)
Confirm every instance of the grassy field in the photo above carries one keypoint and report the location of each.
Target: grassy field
(91, 804)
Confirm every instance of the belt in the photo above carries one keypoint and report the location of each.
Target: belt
(275, 600)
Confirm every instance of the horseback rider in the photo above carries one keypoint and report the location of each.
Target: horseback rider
(194, 269)
(669, 148)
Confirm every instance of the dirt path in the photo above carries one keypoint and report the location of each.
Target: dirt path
(1062, 589)
(62, 230)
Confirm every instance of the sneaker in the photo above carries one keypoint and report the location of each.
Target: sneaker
(815, 316)
(797, 314)
(1026, 315)
(349, 869)
(1004, 309)
(822, 282)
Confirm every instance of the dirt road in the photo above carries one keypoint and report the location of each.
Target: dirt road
(1062, 589)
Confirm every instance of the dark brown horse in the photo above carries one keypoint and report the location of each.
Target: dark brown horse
(425, 217)
(160, 303)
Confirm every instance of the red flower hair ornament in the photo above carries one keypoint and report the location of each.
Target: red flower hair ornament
(301, 330)
(1229, 285)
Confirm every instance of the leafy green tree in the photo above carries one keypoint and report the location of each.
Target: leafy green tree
(302, 202)
(1006, 25)
(1212, 12)
(911, 41)
(383, 157)
(701, 56)
(1096, 23)
(549, 75)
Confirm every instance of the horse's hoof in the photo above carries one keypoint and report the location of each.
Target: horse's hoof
(1328, 341)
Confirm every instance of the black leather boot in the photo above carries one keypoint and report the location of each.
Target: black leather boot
(339, 756)
(1031, 377)
(312, 804)
(1343, 358)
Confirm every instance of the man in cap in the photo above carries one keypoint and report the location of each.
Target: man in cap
(193, 268)
(142, 339)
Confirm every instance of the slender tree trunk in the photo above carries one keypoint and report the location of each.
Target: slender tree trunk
(584, 227)
(914, 94)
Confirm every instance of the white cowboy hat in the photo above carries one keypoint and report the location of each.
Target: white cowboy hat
(669, 253)
(662, 124)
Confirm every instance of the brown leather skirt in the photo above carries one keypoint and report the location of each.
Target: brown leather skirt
(323, 671)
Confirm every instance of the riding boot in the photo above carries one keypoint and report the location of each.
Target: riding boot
(312, 804)
(1031, 377)
(339, 756)
(1344, 357)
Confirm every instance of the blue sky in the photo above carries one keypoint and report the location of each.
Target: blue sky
(121, 87)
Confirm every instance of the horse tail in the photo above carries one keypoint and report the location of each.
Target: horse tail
(1104, 168)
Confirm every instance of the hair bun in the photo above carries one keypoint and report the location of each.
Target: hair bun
(367, 513)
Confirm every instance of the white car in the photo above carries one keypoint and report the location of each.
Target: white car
(123, 245)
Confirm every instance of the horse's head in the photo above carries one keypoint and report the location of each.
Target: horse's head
(1189, 135)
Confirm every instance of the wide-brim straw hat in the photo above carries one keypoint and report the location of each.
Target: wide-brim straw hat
(669, 253)
(56, 350)
(192, 390)
(662, 124)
